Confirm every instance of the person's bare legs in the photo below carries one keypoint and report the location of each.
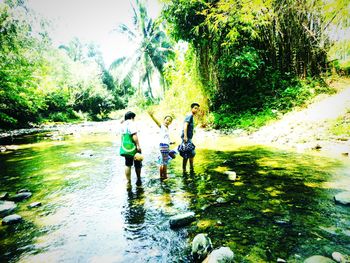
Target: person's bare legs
(128, 172)
(184, 164)
(138, 174)
(191, 165)
(163, 171)
(128, 176)
(160, 171)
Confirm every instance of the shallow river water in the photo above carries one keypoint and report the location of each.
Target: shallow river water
(280, 206)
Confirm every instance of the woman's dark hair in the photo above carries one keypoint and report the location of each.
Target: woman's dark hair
(194, 104)
(169, 117)
(129, 115)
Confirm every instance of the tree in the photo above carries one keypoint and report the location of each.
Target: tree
(153, 49)
(20, 65)
(246, 48)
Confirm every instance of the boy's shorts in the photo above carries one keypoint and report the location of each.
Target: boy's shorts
(129, 161)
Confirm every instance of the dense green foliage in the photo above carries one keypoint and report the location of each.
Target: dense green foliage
(40, 82)
(252, 55)
(245, 62)
(20, 64)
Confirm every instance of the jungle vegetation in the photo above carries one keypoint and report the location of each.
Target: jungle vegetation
(245, 62)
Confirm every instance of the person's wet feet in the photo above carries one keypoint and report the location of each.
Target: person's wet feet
(163, 177)
(138, 182)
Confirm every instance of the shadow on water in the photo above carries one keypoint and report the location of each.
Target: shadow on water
(280, 206)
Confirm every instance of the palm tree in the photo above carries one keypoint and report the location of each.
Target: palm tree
(153, 50)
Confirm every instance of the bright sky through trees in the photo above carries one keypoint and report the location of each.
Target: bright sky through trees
(92, 20)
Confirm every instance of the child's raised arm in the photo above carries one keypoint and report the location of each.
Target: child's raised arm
(153, 118)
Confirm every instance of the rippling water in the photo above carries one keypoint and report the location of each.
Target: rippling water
(281, 204)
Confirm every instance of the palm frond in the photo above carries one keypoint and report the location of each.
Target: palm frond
(153, 50)
(116, 63)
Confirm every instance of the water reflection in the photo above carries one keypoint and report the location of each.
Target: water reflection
(280, 205)
(134, 212)
(274, 209)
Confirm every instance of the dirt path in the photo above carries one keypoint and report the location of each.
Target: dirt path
(308, 129)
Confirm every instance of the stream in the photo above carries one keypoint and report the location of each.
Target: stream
(280, 206)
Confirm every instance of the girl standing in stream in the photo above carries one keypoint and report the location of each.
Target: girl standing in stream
(164, 143)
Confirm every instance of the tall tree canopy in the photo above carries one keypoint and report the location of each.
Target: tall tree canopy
(39, 81)
(247, 49)
(153, 49)
(20, 63)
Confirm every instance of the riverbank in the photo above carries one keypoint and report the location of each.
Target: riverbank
(310, 128)
(303, 129)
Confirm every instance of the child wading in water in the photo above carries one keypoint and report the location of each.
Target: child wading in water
(164, 143)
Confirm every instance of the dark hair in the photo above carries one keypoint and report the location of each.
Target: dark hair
(168, 116)
(129, 115)
(194, 105)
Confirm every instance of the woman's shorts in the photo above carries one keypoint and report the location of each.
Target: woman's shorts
(129, 161)
(164, 152)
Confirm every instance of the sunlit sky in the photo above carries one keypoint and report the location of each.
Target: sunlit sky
(92, 20)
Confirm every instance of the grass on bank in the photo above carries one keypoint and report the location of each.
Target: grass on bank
(341, 126)
(291, 98)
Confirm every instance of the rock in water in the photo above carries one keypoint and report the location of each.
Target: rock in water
(220, 255)
(343, 198)
(11, 219)
(35, 204)
(201, 246)
(181, 220)
(318, 259)
(338, 257)
(6, 207)
(232, 176)
(21, 196)
(4, 195)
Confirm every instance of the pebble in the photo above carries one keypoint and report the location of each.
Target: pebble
(338, 257)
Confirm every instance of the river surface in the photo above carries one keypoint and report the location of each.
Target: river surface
(280, 206)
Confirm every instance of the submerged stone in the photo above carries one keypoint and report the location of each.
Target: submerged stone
(6, 207)
(11, 219)
(201, 246)
(35, 204)
(21, 196)
(220, 255)
(4, 195)
(231, 175)
(343, 198)
(318, 259)
(24, 190)
(181, 220)
(338, 257)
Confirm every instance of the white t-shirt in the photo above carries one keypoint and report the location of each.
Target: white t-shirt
(164, 135)
(128, 126)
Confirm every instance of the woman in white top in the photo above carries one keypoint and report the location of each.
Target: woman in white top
(163, 143)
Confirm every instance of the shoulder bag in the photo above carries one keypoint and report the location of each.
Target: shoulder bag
(127, 146)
